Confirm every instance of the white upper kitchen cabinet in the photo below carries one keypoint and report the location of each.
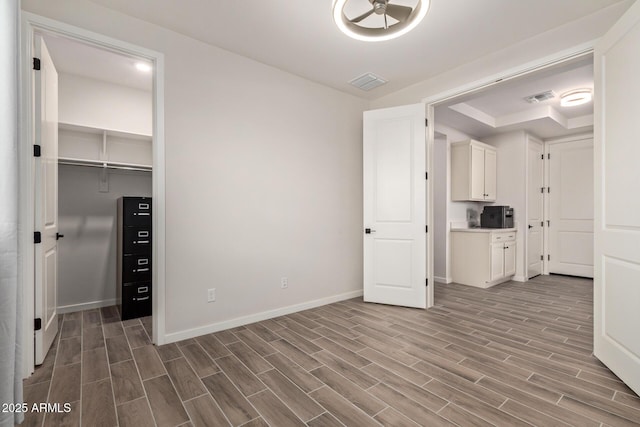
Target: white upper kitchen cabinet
(473, 171)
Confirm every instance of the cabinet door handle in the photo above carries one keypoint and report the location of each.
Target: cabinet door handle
(369, 231)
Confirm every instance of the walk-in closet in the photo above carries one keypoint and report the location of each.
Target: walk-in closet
(104, 153)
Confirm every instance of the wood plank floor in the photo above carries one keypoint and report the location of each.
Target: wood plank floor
(516, 354)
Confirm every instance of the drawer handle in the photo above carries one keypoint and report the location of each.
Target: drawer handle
(141, 299)
(143, 289)
(498, 238)
(141, 270)
(143, 234)
(143, 261)
(143, 205)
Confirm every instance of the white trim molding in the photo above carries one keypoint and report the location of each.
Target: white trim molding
(257, 317)
(86, 306)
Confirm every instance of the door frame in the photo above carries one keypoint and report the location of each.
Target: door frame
(30, 24)
(431, 102)
(538, 141)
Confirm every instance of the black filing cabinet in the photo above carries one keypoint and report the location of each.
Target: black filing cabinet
(134, 257)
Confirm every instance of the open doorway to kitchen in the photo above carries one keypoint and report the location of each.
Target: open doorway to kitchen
(522, 122)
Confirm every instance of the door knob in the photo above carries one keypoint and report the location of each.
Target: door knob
(59, 236)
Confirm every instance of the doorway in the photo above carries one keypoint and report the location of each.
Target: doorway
(519, 130)
(84, 148)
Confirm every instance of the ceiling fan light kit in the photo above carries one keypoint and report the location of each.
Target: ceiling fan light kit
(575, 97)
(407, 19)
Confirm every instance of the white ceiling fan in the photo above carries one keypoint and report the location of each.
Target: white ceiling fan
(406, 19)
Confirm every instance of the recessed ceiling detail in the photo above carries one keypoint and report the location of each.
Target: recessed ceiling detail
(383, 20)
(543, 112)
(367, 81)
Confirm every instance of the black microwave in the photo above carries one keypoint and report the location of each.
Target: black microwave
(496, 217)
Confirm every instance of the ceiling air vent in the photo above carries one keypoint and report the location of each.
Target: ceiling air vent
(534, 99)
(367, 81)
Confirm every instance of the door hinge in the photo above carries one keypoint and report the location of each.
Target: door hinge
(37, 150)
(426, 122)
(36, 64)
(541, 257)
(426, 175)
(548, 189)
(426, 282)
(426, 228)
(37, 324)
(548, 155)
(548, 223)
(548, 257)
(37, 237)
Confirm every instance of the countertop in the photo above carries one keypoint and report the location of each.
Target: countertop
(482, 230)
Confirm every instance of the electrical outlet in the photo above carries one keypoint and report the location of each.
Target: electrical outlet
(284, 283)
(211, 295)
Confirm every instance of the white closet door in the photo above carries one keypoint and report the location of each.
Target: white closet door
(571, 208)
(617, 222)
(46, 200)
(395, 241)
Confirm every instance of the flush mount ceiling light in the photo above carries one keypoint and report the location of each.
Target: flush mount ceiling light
(396, 19)
(143, 66)
(575, 97)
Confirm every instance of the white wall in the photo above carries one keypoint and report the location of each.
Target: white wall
(87, 218)
(512, 186)
(93, 103)
(263, 178)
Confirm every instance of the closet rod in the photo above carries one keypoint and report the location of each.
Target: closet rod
(108, 166)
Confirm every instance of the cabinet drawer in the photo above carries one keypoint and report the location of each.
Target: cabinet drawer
(136, 268)
(136, 212)
(136, 240)
(136, 300)
(508, 236)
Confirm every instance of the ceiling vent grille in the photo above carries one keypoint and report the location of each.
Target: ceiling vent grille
(535, 99)
(367, 81)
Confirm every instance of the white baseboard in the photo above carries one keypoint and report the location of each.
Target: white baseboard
(444, 280)
(86, 306)
(245, 320)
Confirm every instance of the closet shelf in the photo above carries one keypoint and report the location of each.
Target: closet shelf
(99, 131)
(103, 164)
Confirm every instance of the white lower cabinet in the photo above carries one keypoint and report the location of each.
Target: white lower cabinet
(483, 257)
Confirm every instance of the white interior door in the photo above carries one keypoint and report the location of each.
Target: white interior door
(571, 208)
(395, 241)
(46, 199)
(535, 208)
(617, 223)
